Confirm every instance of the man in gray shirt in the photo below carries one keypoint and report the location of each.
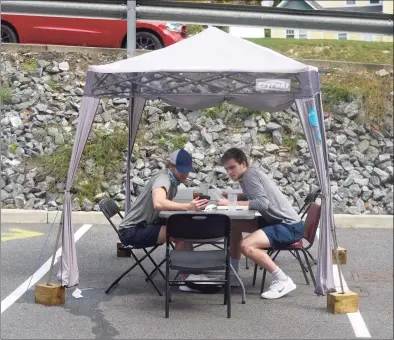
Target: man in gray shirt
(279, 223)
(141, 226)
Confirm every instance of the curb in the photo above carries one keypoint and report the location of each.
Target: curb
(96, 217)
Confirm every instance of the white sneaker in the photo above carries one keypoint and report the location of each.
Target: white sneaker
(191, 277)
(279, 289)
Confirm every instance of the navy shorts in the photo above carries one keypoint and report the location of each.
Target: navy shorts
(283, 234)
(142, 235)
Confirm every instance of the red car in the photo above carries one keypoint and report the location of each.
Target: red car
(30, 29)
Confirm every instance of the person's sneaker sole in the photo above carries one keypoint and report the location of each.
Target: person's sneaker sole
(285, 291)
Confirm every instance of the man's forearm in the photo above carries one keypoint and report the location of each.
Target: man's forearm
(170, 205)
(243, 203)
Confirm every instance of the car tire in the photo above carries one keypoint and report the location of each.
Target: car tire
(147, 41)
(8, 35)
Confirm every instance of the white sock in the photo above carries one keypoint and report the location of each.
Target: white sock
(278, 274)
(235, 264)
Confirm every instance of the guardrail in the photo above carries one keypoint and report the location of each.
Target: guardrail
(205, 13)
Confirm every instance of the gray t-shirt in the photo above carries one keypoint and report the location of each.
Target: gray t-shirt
(265, 197)
(142, 208)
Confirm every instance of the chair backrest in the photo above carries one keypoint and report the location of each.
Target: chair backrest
(109, 208)
(311, 222)
(310, 198)
(198, 227)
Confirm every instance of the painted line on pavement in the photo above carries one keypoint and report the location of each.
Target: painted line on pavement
(356, 320)
(32, 280)
(18, 234)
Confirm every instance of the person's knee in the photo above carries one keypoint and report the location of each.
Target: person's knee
(246, 247)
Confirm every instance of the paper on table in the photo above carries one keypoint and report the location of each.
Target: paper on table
(238, 207)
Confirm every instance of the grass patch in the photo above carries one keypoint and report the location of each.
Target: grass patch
(107, 153)
(52, 84)
(29, 66)
(325, 49)
(290, 142)
(5, 95)
(13, 147)
(178, 142)
(264, 139)
(374, 90)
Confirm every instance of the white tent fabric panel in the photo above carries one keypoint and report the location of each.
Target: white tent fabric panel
(209, 51)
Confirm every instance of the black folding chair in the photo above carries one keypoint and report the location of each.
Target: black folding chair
(110, 209)
(201, 228)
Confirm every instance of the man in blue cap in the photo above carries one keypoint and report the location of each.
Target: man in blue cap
(141, 226)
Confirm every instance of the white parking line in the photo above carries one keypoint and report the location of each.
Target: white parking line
(356, 320)
(32, 280)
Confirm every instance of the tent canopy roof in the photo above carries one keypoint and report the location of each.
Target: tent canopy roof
(209, 51)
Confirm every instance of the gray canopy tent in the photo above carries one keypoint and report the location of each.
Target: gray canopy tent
(197, 73)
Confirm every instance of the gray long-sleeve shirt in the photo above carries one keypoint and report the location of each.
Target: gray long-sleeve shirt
(265, 197)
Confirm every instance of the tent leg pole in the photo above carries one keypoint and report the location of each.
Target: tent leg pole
(54, 251)
(129, 151)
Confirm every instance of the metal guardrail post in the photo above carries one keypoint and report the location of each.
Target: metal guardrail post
(131, 28)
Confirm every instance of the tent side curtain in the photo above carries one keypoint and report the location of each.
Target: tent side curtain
(308, 112)
(136, 107)
(198, 90)
(68, 273)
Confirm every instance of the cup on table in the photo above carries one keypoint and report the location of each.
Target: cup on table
(232, 201)
(196, 193)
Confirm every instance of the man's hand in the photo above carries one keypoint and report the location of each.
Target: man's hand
(222, 201)
(198, 204)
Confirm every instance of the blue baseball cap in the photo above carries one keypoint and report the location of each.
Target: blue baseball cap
(182, 160)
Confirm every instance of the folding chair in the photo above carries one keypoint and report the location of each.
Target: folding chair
(311, 224)
(110, 209)
(200, 229)
(312, 196)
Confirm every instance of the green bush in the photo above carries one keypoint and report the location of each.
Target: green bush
(30, 66)
(335, 93)
(194, 29)
(13, 147)
(5, 95)
(106, 151)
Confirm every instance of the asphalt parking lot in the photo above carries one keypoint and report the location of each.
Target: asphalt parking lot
(134, 310)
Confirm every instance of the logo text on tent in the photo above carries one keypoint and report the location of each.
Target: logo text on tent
(273, 85)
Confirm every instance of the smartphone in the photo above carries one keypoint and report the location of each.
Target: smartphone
(205, 197)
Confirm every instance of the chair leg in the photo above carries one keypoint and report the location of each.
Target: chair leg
(157, 268)
(292, 253)
(154, 271)
(302, 266)
(240, 282)
(145, 272)
(246, 263)
(120, 278)
(228, 293)
(254, 274)
(310, 255)
(309, 266)
(167, 304)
